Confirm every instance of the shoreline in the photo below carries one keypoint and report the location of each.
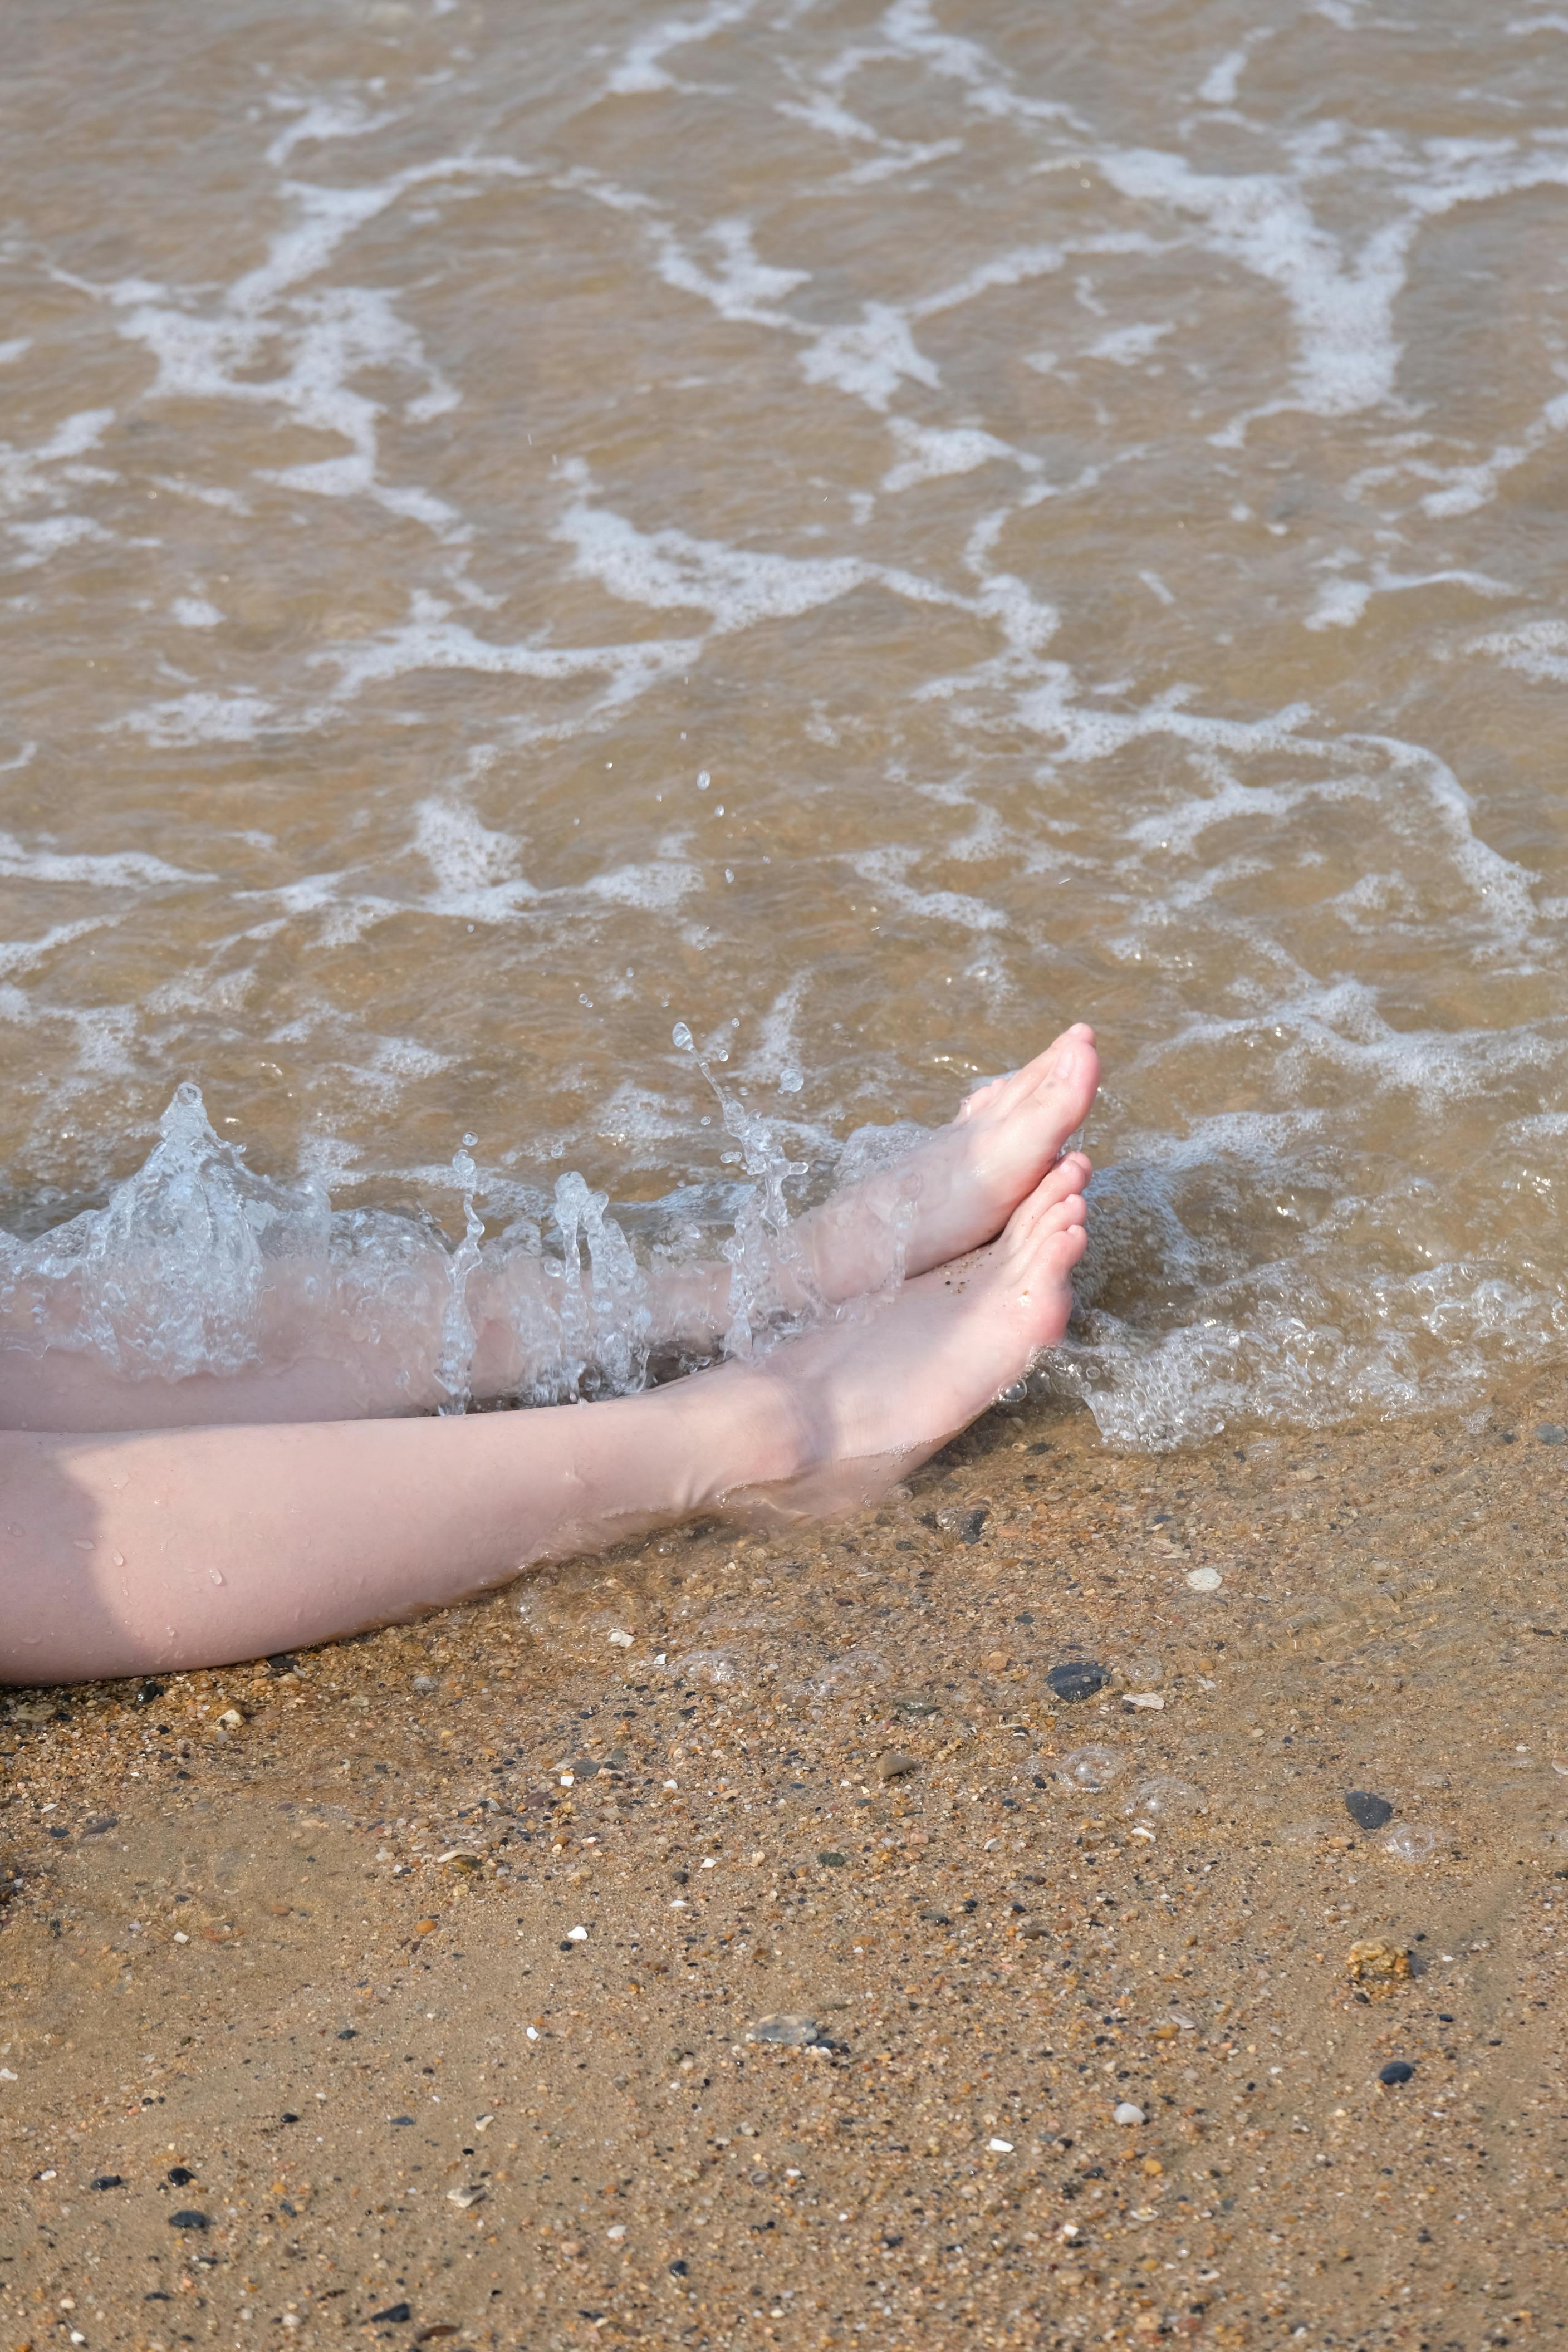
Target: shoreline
(875, 1828)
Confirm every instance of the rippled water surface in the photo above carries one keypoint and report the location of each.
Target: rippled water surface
(869, 531)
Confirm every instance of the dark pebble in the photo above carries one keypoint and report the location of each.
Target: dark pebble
(107, 2180)
(187, 2217)
(585, 1768)
(283, 1663)
(401, 2119)
(349, 2033)
(971, 1525)
(148, 1694)
(678, 2270)
(399, 2313)
(286, 2118)
(831, 1861)
(102, 1822)
(937, 1918)
(1367, 1812)
(180, 2176)
(1398, 2070)
(1080, 1678)
(1551, 1433)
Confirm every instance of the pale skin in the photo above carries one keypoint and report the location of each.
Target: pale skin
(277, 1508)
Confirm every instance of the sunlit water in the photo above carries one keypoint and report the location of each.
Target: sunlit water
(868, 531)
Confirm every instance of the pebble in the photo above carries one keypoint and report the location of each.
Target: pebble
(148, 1694)
(1367, 1810)
(1551, 1433)
(466, 2196)
(1398, 2070)
(107, 2180)
(1375, 1959)
(621, 1639)
(1126, 2112)
(1079, 1679)
(1203, 1579)
(893, 1766)
(999, 2146)
(830, 1860)
(576, 1935)
(794, 2031)
(399, 2313)
(187, 2217)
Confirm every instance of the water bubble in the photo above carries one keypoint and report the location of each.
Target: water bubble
(1409, 1844)
(469, 1141)
(703, 779)
(1164, 1794)
(681, 1035)
(1012, 1394)
(791, 1083)
(1090, 1767)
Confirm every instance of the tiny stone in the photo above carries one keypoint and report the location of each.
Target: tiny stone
(400, 2314)
(794, 2031)
(1551, 1433)
(1079, 1679)
(107, 2180)
(1203, 1579)
(830, 1860)
(466, 2196)
(181, 2175)
(678, 2270)
(892, 1766)
(282, 1663)
(1398, 2070)
(1375, 1959)
(576, 1935)
(148, 1694)
(996, 1661)
(622, 1641)
(425, 1685)
(938, 1918)
(973, 1521)
(1367, 1810)
(187, 2217)
(1126, 2112)
(999, 2146)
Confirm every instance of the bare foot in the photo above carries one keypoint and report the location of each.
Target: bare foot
(825, 1420)
(958, 1189)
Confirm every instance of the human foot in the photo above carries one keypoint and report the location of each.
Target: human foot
(958, 1189)
(825, 1420)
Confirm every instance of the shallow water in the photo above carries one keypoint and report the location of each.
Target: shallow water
(868, 531)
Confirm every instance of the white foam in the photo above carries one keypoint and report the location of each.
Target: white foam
(641, 69)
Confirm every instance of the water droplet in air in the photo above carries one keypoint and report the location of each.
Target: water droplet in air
(681, 1035)
(703, 779)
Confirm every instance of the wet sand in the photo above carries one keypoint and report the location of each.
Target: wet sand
(290, 1949)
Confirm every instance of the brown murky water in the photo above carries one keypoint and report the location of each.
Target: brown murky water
(868, 531)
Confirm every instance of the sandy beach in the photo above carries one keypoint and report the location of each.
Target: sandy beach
(747, 1941)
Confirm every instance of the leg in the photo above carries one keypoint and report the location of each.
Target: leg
(317, 1363)
(124, 1554)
